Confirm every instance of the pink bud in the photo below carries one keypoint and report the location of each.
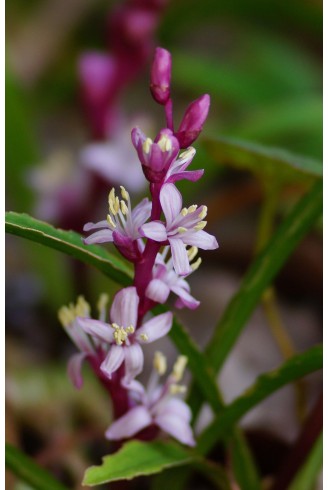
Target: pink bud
(160, 77)
(193, 120)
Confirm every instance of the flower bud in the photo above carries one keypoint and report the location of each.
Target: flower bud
(155, 156)
(160, 76)
(193, 120)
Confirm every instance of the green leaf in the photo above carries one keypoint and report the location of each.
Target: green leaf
(265, 385)
(70, 243)
(28, 471)
(260, 274)
(267, 162)
(242, 462)
(137, 458)
(308, 474)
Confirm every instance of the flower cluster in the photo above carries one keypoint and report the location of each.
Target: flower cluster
(161, 238)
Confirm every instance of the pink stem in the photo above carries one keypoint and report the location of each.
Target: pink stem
(169, 114)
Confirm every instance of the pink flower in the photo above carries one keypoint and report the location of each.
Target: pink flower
(160, 76)
(157, 406)
(193, 120)
(166, 280)
(177, 170)
(183, 227)
(123, 336)
(122, 225)
(155, 156)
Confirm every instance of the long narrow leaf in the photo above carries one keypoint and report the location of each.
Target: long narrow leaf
(28, 471)
(261, 273)
(266, 384)
(307, 475)
(70, 243)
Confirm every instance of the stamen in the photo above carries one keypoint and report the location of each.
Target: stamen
(117, 205)
(160, 364)
(102, 302)
(144, 337)
(182, 229)
(188, 153)
(200, 225)
(124, 193)
(124, 208)
(192, 252)
(65, 316)
(110, 221)
(165, 143)
(196, 264)
(203, 212)
(177, 389)
(82, 307)
(130, 329)
(147, 145)
(111, 201)
(192, 208)
(184, 212)
(179, 367)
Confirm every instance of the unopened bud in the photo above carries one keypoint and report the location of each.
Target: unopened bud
(193, 120)
(160, 76)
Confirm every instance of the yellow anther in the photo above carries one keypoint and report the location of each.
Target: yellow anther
(65, 316)
(111, 201)
(200, 225)
(192, 208)
(184, 212)
(130, 329)
(110, 221)
(203, 212)
(124, 208)
(120, 335)
(102, 302)
(177, 389)
(189, 153)
(82, 307)
(179, 367)
(165, 143)
(117, 205)
(196, 264)
(124, 193)
(144, 337)
(115, 326)
(147, 145)
(160, 364)
(182, 229)
(192, 252)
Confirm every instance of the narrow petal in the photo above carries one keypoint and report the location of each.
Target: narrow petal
(141, 213)
(129, 424)
(74, 367)
(201, 239)
(154, 230)
(171, 202)
(176, 407)
(101, 330)
(179, 257)
(185, 297)
(192, 175)
(114, 359)
(124, 310)
(177, 427)
(158, 291)
(102, 236)
(155, 328)
(134, 360)
(95, 226)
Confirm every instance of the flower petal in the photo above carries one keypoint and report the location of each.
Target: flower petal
(155, 328)
(176, 426)
(192, 175)
(134, 360)
(155, 230)
(129, 424)
(124, 310)
(141, 213)
(101, 236)
(171, 202)
(179, 256)
(176, 407)
(101, 330)
(74, 367)
(158, 291)
(201, 239)
(185, 297)
(94, 226)
(113, 360)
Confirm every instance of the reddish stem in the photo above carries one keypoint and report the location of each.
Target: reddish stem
(169, 114)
